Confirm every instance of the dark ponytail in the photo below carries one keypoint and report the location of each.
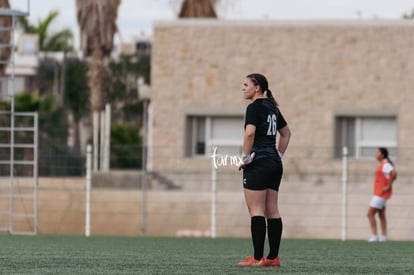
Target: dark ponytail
(271, 98)
(384, 152)
(261, 80)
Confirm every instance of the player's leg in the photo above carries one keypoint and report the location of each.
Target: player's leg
(274, 221)
(274, 225)
(272, 209)
(383, 221)
(255, 200)
(254, 177)
(372, 223)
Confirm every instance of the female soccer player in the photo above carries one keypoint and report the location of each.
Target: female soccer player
(262, 168)
(384, 177)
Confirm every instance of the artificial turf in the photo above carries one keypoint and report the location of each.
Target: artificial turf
(57, 254)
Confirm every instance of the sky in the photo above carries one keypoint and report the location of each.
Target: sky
(136, 17)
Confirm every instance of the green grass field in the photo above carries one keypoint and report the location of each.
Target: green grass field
(152, 255)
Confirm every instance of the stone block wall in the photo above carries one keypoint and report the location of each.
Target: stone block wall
(316, 70)
(310, 208)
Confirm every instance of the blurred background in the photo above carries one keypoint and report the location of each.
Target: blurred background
(154, 88)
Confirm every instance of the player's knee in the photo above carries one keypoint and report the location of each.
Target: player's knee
(273, 214)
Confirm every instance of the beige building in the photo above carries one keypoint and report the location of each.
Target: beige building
(338, 83)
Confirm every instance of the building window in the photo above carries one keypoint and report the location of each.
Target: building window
(19, 85)
(28, 44)
(363, 135)
(204, 133)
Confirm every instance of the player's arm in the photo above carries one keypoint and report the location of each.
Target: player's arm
(248, 156)
(248, 138)
(283, 139)
(393, 175)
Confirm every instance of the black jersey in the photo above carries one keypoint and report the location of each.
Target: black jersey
(268, 119)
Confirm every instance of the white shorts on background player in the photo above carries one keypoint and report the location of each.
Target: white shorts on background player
(378, 202)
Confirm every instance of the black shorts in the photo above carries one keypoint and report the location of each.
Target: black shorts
(262, 174)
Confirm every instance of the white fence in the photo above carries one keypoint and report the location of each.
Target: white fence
(184, 204)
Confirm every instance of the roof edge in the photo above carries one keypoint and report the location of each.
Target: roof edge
(282, 23)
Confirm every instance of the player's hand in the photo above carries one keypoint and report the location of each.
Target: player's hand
(246, 160)
(280, 154)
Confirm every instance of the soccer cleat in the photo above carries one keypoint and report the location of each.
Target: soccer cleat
(251, 261)
(269, 262)
(373, 238)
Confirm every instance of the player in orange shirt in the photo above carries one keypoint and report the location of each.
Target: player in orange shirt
(384, 177)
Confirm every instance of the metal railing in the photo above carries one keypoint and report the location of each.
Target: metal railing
(18, 206)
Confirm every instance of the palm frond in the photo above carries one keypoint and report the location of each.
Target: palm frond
(44, 26)
(198, 9)
(24, 25)
(59, 41)
(97, 23)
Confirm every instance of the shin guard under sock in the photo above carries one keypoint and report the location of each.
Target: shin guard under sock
(274, 234)
(258, 231)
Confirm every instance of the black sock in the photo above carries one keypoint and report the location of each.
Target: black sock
(274, 234)
(258, 231)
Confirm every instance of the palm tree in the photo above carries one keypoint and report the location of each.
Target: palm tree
(5, 22)
(97, 22)
(198, 9)
(59, 41)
